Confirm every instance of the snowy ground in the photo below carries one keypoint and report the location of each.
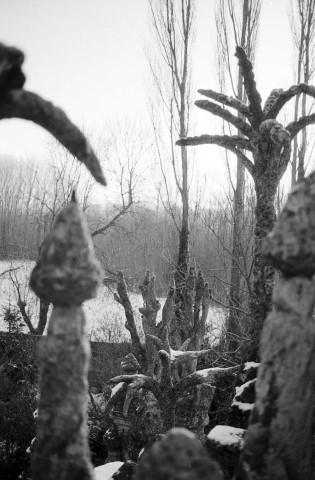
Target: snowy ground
(106, 472)
(105, 317)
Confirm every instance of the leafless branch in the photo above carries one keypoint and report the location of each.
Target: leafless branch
(232, 143)
(226, 100)
(252, 93)
(29, 106)
(295, 127)
(237, 122)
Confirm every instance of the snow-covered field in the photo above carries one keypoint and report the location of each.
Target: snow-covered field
(105, 317)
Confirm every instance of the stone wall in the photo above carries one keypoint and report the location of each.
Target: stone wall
(105, 361)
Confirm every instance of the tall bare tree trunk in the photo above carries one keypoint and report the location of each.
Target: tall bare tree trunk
(173, 25)
(244, 22)
(233, 327)
(303, 29)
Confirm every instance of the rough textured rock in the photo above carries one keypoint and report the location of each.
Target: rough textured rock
(278, 441)
(130, 429)
(67, 271)
(192, 408)
(291, 244)
(62, 448)
(178, 456)
(225, 444)
(126, 471)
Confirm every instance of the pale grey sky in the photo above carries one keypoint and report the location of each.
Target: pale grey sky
(87, 57)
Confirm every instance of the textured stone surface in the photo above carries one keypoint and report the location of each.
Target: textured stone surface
(291, 244)
(224, 444)
(178, 456)
(277, 444)
(67, 271)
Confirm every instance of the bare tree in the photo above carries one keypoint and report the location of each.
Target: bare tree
(126, 147)
(173, 24)
(241, 20)
(161, 365)
(303, 31)
(270, 145)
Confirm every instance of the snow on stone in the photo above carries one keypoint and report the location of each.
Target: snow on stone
(29, 448)
(249, 365)
(244, 407)
(116, 388)
(240, 390)
(208, 371)
(176, 353)
(226, 435)
(105, 472)
(141, 452)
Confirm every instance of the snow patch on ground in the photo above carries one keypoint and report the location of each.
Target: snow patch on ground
(226, 435)
(105, 472)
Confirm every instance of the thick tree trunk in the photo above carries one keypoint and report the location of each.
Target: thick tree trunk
(263, 273)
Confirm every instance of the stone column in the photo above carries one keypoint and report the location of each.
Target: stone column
(66, 274)
(278, 441)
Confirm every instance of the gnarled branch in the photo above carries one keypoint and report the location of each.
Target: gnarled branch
(151, 305)
(226, 100)
(178, 357)
(122, 297)
(295, 127)
(17, 103)
(29, 106)
(166, 377)
(232, 143)
(237, 122)
(113, 221)
(209, 375)
(252, 93)
(285, 96)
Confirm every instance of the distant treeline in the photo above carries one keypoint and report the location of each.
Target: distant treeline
(144, 238)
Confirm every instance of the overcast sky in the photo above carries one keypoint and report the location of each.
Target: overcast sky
(87, 57)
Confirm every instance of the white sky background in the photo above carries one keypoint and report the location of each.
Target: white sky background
(87, 57)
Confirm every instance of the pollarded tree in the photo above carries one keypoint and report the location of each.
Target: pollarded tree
(269, 144)
(168, 373)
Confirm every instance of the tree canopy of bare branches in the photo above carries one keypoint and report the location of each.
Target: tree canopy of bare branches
(267, 154)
